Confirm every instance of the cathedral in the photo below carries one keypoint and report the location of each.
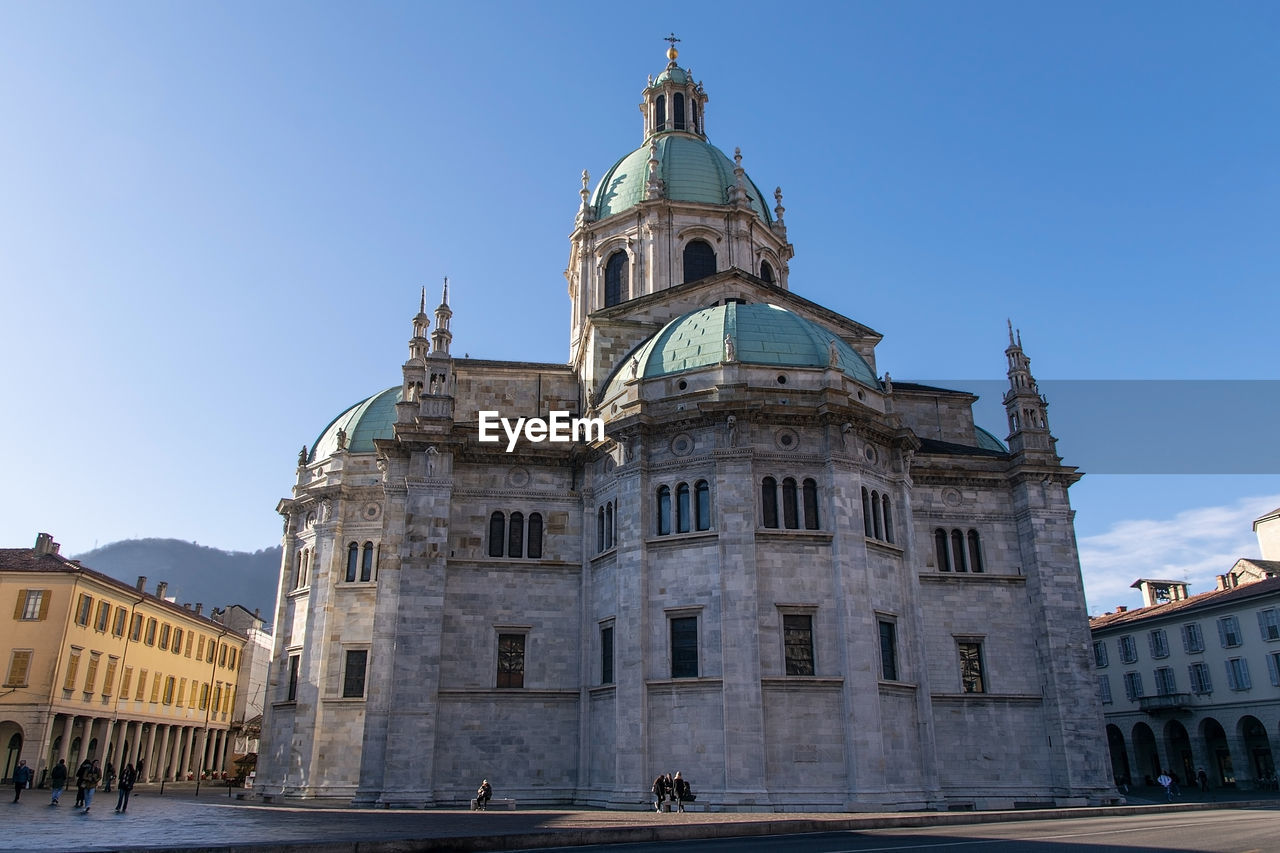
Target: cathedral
(772, 568)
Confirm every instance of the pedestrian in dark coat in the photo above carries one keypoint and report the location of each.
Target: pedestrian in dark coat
(123, 786)
(85, 767)
(659, 791)
(58, 780)
(92, 777)
(21, 778)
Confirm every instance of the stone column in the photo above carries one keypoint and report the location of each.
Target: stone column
(86, 726)
(219, 761)
(162, 756)
(150, 764)
(104, 747)
(64, 748)
(189, 753)
(202, 741)
(175, 753)
(122, 731)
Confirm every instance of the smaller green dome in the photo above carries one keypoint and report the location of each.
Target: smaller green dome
(373, 417)
(674, 73)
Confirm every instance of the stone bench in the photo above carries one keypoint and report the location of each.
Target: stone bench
(496, 803)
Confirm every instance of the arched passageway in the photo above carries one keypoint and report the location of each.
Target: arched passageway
(1253, 736)
(1177, 746)
(1146, 753)
(1220, 769)
(11, 744)
(1119, 756)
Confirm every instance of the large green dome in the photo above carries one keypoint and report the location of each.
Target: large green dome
(691, 169)
(373, 417)
(761, 333)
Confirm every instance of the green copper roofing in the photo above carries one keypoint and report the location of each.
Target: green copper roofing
(762, 334)
(674, 73)
(987, 441)
(692, 169)
(369, 419)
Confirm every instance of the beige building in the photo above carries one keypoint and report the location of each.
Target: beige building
(95, 668)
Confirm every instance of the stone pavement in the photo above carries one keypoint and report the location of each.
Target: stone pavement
(180, 821)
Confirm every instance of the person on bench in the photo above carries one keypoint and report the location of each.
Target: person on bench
(483, 795)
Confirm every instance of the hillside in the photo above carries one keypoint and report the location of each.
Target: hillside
(194, 572)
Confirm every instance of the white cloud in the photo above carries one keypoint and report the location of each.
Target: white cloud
(1195, 546)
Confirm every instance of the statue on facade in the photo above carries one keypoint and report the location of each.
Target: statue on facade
(731, 424)
(302, 456)
(730, 349)
(833, 354)
(342, 438)
(432, 455)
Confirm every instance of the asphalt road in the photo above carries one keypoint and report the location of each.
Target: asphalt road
(1226, 831)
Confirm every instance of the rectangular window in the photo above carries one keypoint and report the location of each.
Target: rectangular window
(231, 660)
(1104, 689)
(1133, 685)
(1269, 623)
(104, 616)
(1100, 654)
(126, 680)
(122, 618)
(1238, 674)
(511, 660)
(972, 677)
(109, 678)
(165, 630)
(1166, 684)
(353, 673)
(91, 672)
(1273, 667)
(606, 654)
(19, 668)
(1229, 631)
(1159, 642)
(135, 631)
(684, 647)
(32, 604)
(797, 637)
(1128, 649)
(169, 684)
(191, 701)
(177, 641)
(150, 638)
(222, 656)
(83, 608)
(888, 650)
(73, 666)
(291, 693)
(182, 691)
(200, 649)
(204, 696)
(212, 650)
(155, 688)
(142, 686)
(191, 638)
(217, 697)
(1192, 638)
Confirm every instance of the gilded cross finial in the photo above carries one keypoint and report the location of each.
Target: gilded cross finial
(672, 53)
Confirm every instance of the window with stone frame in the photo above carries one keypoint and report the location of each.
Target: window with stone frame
(109, 677)
(1201, 682)
(664, 510)
(1128, 649)
(73, 665)
(972, 670)
(103, 618)
(1192, 638)
(19, 668)
(511, 648)
(84, 606)
(32, 605)
(291, 685)
(1273, 667)
(366, 562)
(684, 646)
(769, 502)
(1100, 654)
(1133, 686)
(797, 638)
(615, 279)
(1238, 674)
(888, 649)
(91, 672)
(699, 260)
(1229, 632)
(1166, 684)
(1158, 640)
(353, 673)
(150, 636)
(606, 653)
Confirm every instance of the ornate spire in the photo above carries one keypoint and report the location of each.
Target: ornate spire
(1026, 407)
(418, 344)
(441, 337)
(584, 209)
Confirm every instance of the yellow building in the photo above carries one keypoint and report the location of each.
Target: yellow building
(95, 668)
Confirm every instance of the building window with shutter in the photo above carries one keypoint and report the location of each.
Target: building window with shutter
(1238, 674)
(1201, 683)
(1192, 638)
(1159, 642)
(32, 604)
(1128, 649)
(1166, 684)
(19, 668)
(1133, 686)
(73, 666)
(1104, 689)
(1269, 624)
(83, 607)
(1100, 654)
(1229, 631)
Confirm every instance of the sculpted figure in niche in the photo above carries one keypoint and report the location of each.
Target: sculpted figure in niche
(845, 429)
(432, 455)
(730, 349)
(731, 423)
(833, 354)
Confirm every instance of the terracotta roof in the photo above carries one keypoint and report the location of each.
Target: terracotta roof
(1270, 586)
(26, 560)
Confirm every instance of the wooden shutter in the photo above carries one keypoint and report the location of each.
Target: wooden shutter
(46, 594)
(21, 603)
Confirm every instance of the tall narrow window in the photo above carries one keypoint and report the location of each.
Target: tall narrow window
(292, 688)
(888, 519)
(697, 116)
(535, 536)
(91, 672)
(1201, 683)
(868, 528)
(699, 260)
(888, 651)
(972, 678)
(684, 647)
(677, 111)
(353, 561)
(511, 660)
(599, 529)
(957, 551)
(1238, 674)
(608, 525)
(615, 279)
(702, 494)
(606, 654)
(682, 508)
(353, 673)
(790, 516)
(766, 271)
(515, 535)
(810, 504)
(83, 607)
(497, 534)
(664, 511)
(118, 624)
(877, 520)
(366, 562)
(769, 501)
(104, 616)
(797, 634)
(975, 552)
(660, 113)
(109, 678)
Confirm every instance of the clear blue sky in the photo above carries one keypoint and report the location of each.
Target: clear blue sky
(217, 217)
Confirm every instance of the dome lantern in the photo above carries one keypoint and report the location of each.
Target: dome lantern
(673, 102)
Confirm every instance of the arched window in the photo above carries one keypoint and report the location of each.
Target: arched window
(682, 508)
(975, 551)
(353, 560)
(702, 492)
(697, 117)
(609, 529)
(958, 561)
(535, 536)
(769, 501)
(699, 260)
(940, 551)
(497, 534)
(664, 511)
(877, 521)
(677, 111)
(366, 562)
(888, 520)
(515, 535)
(790, 514)
(810, 504)
(766, 271)
(599, 530)
(660, 113)
(615, 279)
(867, 529)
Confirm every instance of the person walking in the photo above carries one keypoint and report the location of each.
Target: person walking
(659, 791)
(91, 779)
(679, 788)
(85, 767)
(1165, 781)
(1203, 779)
(123, 786)
(21, 778)
(58, 781)
(108, 776)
